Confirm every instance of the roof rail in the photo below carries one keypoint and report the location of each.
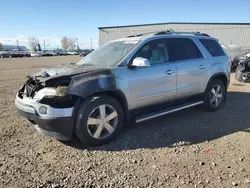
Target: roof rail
(181, 32)
(141, 34)
(171, 32)
(134, 35)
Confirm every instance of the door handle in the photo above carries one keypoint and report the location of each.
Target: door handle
(169, 72)
(202, 66)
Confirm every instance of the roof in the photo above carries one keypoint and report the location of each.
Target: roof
(177, 35)
(212, 23)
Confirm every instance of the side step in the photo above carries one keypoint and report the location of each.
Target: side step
(167, 111)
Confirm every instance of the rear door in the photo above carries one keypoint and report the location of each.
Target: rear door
(191, 67)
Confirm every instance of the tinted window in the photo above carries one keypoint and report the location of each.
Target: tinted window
(155, 51)
(212, 47)
(184, 49)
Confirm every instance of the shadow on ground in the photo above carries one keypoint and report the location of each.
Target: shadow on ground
(191, 126)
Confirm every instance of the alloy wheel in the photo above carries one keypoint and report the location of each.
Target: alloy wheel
(102, 121)
(216, 96)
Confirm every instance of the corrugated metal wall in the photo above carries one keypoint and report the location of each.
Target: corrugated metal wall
(227, 34)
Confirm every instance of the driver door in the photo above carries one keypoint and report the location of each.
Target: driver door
(157, 83)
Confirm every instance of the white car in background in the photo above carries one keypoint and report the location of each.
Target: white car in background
(37, 54)
(72, 53)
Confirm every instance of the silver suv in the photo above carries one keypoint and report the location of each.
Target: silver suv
(135, 78)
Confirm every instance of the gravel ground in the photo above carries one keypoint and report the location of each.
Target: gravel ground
(191, 148)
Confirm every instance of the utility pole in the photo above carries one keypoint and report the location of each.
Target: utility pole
(91, 42)
(17, 44)
(77, 45)
(43, 45)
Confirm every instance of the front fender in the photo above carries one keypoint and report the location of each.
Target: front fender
(84, 85)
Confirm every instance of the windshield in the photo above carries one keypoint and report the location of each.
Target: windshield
(109, 54)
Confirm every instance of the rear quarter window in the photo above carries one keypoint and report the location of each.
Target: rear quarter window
(213, 47)
(183, 49)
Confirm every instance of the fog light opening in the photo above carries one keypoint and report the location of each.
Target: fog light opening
(43, 110)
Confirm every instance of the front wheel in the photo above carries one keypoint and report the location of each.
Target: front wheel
(99, 120)
(215, 95)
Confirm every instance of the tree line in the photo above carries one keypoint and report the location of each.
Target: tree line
(67, 43)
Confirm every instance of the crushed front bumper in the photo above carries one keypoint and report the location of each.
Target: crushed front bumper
(57, 122)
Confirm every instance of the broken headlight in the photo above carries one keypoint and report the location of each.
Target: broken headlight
(55, 97)
(65, 101)
(50, 91)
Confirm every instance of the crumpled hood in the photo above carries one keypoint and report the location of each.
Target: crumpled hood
(65, 70)
(81, 80)
(61, 69)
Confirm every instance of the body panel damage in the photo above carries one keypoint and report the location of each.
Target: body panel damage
(84, 85)
(78, 81)
(61, 75)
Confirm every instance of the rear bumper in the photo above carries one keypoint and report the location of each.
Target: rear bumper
(57, 123)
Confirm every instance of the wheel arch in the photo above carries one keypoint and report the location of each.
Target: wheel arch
(221, 76)
(115, 93)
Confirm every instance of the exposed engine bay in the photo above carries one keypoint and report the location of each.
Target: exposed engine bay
(61, 86)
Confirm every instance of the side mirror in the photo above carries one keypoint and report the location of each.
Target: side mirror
(140, 62)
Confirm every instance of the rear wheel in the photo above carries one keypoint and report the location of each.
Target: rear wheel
(99, 120)
(215, 95)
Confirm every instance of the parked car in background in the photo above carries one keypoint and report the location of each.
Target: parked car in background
(4, 54)
(16, 53)
(37, 54)
(61, 52)
(13, 54)
(86, 52)
(234, 53)
(49, 53)
(135, 78)
(73, 53)
(26, 54)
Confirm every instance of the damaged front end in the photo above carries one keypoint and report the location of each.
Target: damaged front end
(43, 101)
(49, 99)
(50, 92)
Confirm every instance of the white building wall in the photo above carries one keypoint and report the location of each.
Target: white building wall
(238, 34)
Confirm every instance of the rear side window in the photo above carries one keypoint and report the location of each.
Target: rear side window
(213, 47)
(184, 49)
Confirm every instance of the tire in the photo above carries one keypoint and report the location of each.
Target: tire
(209, 97)
(87, 132)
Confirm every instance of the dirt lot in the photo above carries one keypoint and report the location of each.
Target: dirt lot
(192, 148)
